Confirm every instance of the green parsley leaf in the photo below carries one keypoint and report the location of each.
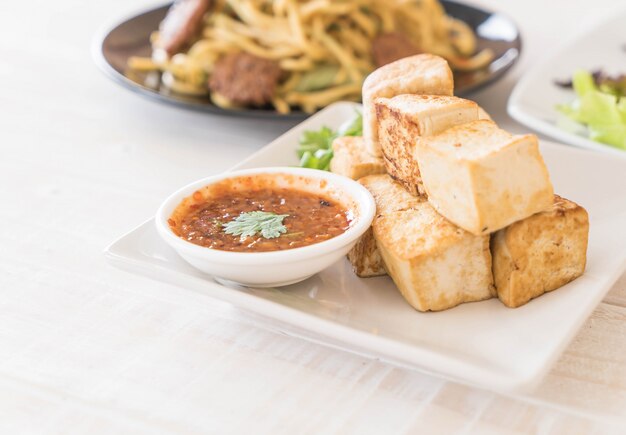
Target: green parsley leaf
(248, 224)
(315, 150)
(352, 127)
(315, 140)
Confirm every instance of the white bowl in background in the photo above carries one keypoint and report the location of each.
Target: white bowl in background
(534, 99)
(275, 268)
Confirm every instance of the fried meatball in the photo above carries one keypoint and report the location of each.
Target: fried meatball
(389, 47)
(245, 79)
(181, 24)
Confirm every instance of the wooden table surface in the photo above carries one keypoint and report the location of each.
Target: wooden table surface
(88, 349)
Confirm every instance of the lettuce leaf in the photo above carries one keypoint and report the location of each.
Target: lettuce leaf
(583, 83)
(603, 113)
(610, 134)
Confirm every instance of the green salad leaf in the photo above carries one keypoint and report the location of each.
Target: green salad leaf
(248, 224)
(315, 146)
(583, 82)
(602, 113)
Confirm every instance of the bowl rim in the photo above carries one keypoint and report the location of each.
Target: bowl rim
(358, 193)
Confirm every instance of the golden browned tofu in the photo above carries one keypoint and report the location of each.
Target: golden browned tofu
(482, 114)
(482, 178)
(402, 119)
(351, 158)
(540, 253)
(434, 264)
(424, 74)
(389, 197)
(388, 194)
(364, 257)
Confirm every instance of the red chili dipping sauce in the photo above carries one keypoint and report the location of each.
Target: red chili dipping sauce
(260, 220)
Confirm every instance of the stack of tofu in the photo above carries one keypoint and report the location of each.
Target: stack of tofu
(465, 210)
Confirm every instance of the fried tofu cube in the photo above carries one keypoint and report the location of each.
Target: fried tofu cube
(434, 264)
(389, 197)
(482, 114)
(482, 178)
(364, 257)
(403, 118)
(540, 253)
(351, 158)
(424, 74)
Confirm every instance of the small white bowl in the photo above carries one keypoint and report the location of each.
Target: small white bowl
(275, 268)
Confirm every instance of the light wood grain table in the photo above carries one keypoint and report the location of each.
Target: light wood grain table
(88, 349)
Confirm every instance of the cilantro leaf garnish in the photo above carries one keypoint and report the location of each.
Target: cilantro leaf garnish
(313, 140)
(248, 224)
(315, 146)
(352, 127)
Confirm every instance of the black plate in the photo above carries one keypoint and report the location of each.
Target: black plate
(131, 38)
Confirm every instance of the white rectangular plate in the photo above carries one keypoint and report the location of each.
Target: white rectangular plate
(481, 343)
(534, 99)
